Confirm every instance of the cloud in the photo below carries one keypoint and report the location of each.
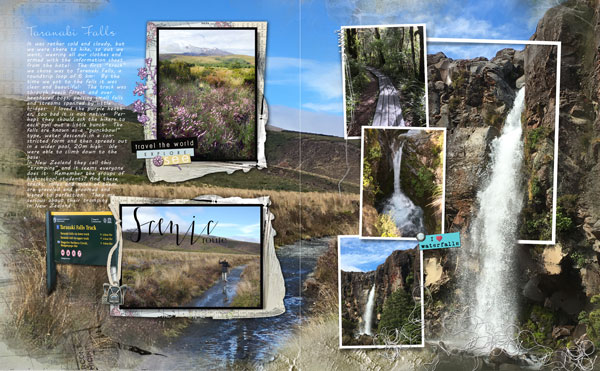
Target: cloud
(324, 107)
(365, 255)
(462, 27)
(312, 122)
(446, 18)
(350, 268)
(324, 79)
(231, 40)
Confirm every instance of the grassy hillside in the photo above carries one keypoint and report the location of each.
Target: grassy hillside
(167, 242)
(43, 320)
(212, 60)
(320, 170)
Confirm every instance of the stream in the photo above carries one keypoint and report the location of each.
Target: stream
(221, 294)
(211, 344)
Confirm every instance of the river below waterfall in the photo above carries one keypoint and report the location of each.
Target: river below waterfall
(212, 344)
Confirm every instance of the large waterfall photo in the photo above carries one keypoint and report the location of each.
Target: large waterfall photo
(496, 291)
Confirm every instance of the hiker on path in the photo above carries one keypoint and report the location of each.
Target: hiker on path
(224, 269)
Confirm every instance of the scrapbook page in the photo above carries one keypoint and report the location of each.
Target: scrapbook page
(300, 185)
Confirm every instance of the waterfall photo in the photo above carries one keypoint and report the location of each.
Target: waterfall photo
(498, 103)
(384, 76)
(207, 90)
(380, 291)
(192, 256)
(402, 189)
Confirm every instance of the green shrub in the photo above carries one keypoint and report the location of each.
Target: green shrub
(563, 222)
(372, 157)
(424, 183)
(578, 258)
(592, 321)
(539, 326)
(453, 103)
(396, 314)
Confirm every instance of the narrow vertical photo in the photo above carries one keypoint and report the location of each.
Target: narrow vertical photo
(207, 89)
(192, 256)
(402, 189)
(380, 289)
(384, 74)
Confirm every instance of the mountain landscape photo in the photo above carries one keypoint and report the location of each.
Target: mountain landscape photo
(208, 92)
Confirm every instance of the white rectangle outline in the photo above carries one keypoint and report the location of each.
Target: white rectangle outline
(422, 345)
(556, 115)
(346, 137)
(362, 153)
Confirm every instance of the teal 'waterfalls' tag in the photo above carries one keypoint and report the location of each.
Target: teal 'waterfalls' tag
(440, 241)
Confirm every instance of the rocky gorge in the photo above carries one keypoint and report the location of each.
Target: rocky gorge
(418, 156)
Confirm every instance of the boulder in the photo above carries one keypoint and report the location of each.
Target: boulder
(561, 331)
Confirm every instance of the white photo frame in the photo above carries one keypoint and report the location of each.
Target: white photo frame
(557, 44)
(422, 293)
(273, 290)
(362, 153)
(198, 169)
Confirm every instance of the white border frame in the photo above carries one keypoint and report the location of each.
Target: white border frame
(556, 114)
(341, 346)
(342, 44)
(362, 157)
(273, 282)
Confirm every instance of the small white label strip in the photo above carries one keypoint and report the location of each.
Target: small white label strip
(164, 152)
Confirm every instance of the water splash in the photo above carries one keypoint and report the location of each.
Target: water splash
(368, 315)
(407, 216)
(493, 236)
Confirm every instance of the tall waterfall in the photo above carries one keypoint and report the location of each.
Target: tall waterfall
(407, 216)
(368, 315)
(493, 238)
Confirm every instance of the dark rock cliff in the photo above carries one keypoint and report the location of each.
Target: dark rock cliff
(471, 98)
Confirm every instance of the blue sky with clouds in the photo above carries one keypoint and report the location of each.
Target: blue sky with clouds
(235, 222)
(303, 77)
(364, 255)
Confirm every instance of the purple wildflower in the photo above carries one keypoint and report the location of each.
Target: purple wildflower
(143, 73)
(140, 89)
(138, 106)
(143, 119)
